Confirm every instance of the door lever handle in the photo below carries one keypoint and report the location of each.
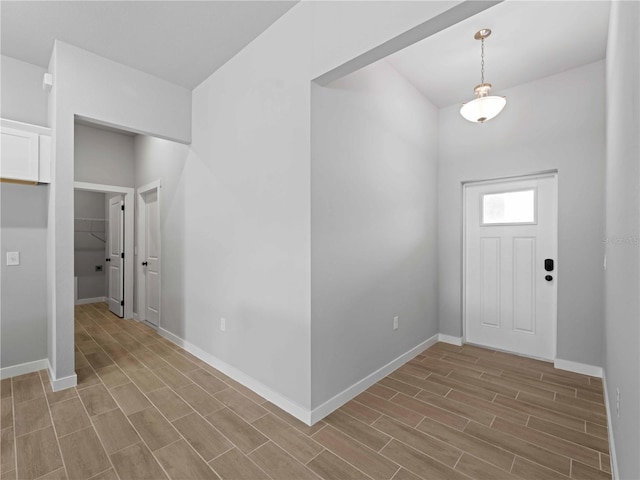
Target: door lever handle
(144, 264)
(107, 259)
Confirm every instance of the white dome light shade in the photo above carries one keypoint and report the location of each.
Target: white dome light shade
(482, 109)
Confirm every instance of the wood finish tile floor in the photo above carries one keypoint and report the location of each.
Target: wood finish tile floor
(146, 409)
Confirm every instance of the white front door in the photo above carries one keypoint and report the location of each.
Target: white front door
(510, 265)
(115, 258)
(151, 256)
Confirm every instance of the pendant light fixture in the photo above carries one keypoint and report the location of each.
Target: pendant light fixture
(484, 107)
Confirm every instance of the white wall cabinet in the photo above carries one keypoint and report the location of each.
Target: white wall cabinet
(25, 152)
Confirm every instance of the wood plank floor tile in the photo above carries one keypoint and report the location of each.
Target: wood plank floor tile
(476, 468)
(293, 421)
(560, 418)
(240, 405)
(587, 405)
(461, 387)
(458, 408)
(419, 463)
(361, 457)
(562, 408)
(371, 437)
(69, 416)
(7, 450)
(522, 386)
(130, 398)
(202, 437)
(534, 471)
(489, 407)
(381, 391)
(279, 464)
(83, 454)
(234, 465)
(169, 403)
(432, 411)
(172, 377)
(395, 409)
(5, 388)
(580, 438)
(154, 429)
(467, 443)
(550, 442)
(6, 415)
(145, 380)
(208, 382)
(137, 462)
(99, 359)
(27, 388)
(437, 449)
(37, 454)
(108, 475)
(31, 415)
(404, 474)
(296, 443)
(539, 383)
(243, 435)
(60, 474)
(361, 412)
(180, 363)
(86, 377)
(198, 399)
(181, 462)
(250, 394)
(605, 463)
(520, 447)
(584, 472)
(331, 467)
(115, 431)
(97, 399)
(485, 384)
(410, 385)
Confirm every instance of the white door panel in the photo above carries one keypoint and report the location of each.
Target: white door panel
(151, 256)
(510, 229)
(115, 258)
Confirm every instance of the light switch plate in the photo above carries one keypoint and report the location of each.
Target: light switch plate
(13, 258)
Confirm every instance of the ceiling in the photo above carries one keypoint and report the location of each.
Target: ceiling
(530, 40)
(180, 41)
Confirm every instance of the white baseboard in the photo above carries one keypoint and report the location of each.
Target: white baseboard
(58, 384)
(298, 411)
(85, 301)
(577, 367)
(450, 339)
(612, 446)
(357, 388)
(22, 368)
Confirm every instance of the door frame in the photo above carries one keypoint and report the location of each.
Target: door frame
(498, 180)
(128, 235)
(141, 235)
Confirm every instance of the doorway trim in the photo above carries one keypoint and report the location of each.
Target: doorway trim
(141, 285)
(498, 180)
(128, 235)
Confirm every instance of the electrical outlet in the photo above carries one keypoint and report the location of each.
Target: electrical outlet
(617, 402)
(223, 324)
(395, 323)
(13, 258)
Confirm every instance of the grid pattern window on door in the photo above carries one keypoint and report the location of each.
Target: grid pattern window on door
(504, 208)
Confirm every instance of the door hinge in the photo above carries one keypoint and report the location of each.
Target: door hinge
(122, 255)
(122, 303)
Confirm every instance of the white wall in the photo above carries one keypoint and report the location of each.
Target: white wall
(103, 157)
(247, 189)
(23, 225)
(373, 225)
(622, 277)
(23, 305)
(557, 122)
(93, 87)
(89, 251)
(158, 159)
(23, 98)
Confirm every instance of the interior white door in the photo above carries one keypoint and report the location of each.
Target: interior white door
(115, 258)
(510, 265)
(151, 263)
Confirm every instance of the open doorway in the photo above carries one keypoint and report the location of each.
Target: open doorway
(110, 236)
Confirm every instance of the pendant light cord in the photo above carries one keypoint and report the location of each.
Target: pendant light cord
(482, 61)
